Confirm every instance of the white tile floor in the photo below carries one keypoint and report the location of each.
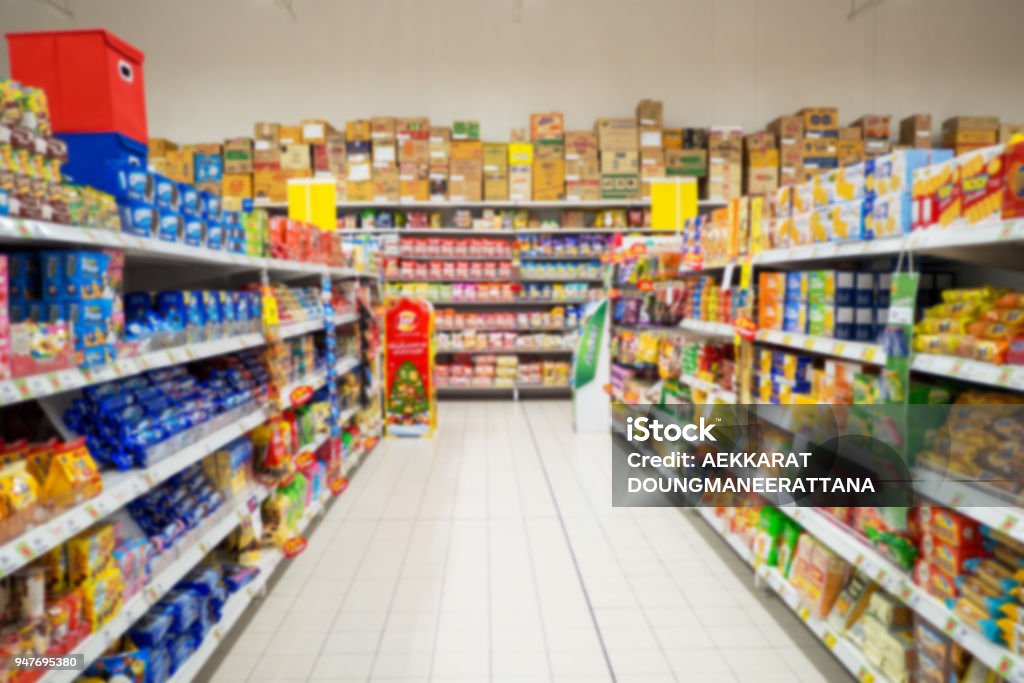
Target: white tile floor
(492, 553)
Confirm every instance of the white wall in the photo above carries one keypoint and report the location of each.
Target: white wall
(215, 66)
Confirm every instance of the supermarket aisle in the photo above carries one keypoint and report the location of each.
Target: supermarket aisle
(492, 554)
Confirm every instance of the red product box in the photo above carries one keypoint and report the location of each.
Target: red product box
(981, 183)
(1013, 185)
(952, 528)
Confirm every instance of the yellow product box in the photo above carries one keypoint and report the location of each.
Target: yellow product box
(766, 158)
(803, 197)
(800, 229)
(820, 121)
(824, 188)
(237, 185)
(819, 147)
(580, 144)
(466, 150)
(496, 188)
(672, 138)
(272, 184)
(620, 162)
(359, 191)
(548, 179)
(848, 220)
(382, 128)
(549, 149)
(520, 154)
(520, 181)
(313, 200)
(358, 131)
(179, 165)
(296, 157)
(850, 133)
(385, 183)
(315, 131)
(821, 224)
(849, 182)
(495, 158)
(673, 202)
(467, 189)
(265, 130)
(547, 126)
(414, 181)
(159, 147)
(849, 151)
(440, 139)
(290, 135)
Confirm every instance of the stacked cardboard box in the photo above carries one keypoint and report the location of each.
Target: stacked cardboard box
(238, 158)
(520, 171)
(440, 141)
(650, 122)
(821, 133)
(413, 138)
(789, 132)
(547, 132)
(725, 162)
(208, 166)
(850, 146)
(385, 159)
(359, 161)
(616, 136)
(167, 159)
(916, 131)
(495, 171)
(761, 174)
(875, 133)
(466, 170)
(582, 168)
(967, 133)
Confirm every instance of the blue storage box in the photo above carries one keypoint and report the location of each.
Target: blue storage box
(89, 154)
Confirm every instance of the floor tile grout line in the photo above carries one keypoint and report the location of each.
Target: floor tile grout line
(568, 542)
(547, 417)
(448, 548)
(529, 550)
(435, 446)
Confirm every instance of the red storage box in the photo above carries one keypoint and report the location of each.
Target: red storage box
(93, 80)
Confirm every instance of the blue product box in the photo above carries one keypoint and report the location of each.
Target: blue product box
(796, 286)
(172, 308)
(214, 235)
(893, 173)
(253, 303)
(165, 193)
(194, 230)
(24, 279)
(189, 201)
(231, 219)
(138, 306)
(821, 162)
(849, 184)
(96, 356)
(890, 216)
(357, 147)
(227, 308)
(848, 221)
(845, 287)
(74, 274)
(209, 204)
(55, 312)
(211, 308)
(240, 304)
(864, 325)
(794, 317)
(864, 295)
(5, 202)
(209, 168)
(884, 290)
(33, 311)
(91, 321)
(133, 181)
(93, 158)
(137, 218)
(844, 327)
(171, 227)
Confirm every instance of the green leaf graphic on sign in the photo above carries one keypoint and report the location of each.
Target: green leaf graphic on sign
(589, 348)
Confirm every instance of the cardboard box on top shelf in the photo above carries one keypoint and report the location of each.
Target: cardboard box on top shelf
(321, 164)
(876, 148)
(849, 151)
(650, 139)
(359, 191)
(549, 149)
(358, 170)
(335, 150)
(672, 138)
(520, 182)
(652, 157)
(386, 186)
(267, 130)
(763, 158)
(620, 186)
(788, 130)
(819, 147)
(580, 144)
(382, 128)
(414, 181)
(296, 157)
(648, 173)
(272, 185)
(495, 159)
(238, 155)
(415, 127)
(916, 131)
(547, 126)
(237, 185)
(582, 169)
(583, 190)
(520, 154)
(725, 143)
(970, 137)
(466, 130)
(414, 150)
(178, 165)
(459, 169)
(359, 151)
(358, 130)
(724, 181)
(1008, 130)
(290, 135)
(548, 179)
(466, 149)
(440, 138)
(820, 122)
(955, 124)
(695, 138)
(686, 162)
(211, 186)
(620, 162)
(617, 135)
(385, 152)
(874, 126)
(465, 188)
(758, 142)
(519, 134)
(762, 180)
(850, 133)
(315, 131)
(158, 147)
(650, 114)
(265, 155)
(496, 188)
(438, 182)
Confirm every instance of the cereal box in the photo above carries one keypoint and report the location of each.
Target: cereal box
(981, 184)
(803, 197)
(848, 220)
(890, 215)
(821, 224)
(849, 183)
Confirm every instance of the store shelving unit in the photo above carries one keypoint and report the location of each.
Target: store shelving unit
(491, 204)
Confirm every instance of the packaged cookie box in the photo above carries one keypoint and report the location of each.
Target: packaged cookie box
(981, 184)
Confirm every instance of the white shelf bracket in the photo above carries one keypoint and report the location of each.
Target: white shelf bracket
(62, 6)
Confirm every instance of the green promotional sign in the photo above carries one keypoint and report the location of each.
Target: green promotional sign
(588, 350)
